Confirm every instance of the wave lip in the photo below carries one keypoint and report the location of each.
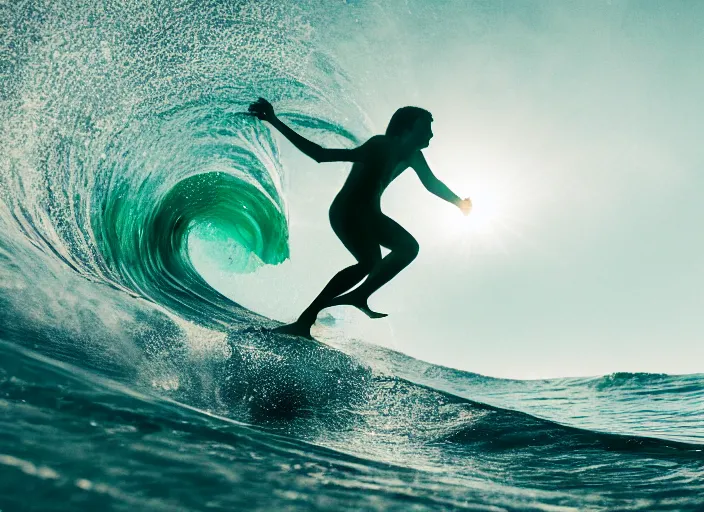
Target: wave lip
(216, 179)
(123, 138)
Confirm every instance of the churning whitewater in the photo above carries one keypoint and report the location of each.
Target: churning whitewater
(127, 382)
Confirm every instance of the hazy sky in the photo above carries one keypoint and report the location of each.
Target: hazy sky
(575, 128)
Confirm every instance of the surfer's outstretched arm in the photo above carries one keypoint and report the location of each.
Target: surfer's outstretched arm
(435, 186)
(264, 111)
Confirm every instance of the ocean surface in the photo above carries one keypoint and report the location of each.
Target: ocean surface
(128, 383)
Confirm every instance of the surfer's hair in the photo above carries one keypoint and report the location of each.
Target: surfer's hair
(404, 119)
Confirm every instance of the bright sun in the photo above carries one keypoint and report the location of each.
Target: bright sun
(503, 202)
(485, 217)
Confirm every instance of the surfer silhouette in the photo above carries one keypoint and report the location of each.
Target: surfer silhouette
(355, 213)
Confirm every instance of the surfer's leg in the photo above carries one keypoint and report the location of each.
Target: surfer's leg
(340, 283)
(353, 233)
(404, 249)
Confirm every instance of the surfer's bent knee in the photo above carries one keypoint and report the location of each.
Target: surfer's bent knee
(413, 248)
(409, 248)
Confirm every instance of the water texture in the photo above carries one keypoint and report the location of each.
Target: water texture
(127, 382)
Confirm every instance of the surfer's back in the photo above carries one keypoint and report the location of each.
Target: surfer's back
(370, 176)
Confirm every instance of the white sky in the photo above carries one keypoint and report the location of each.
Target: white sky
(575, 127)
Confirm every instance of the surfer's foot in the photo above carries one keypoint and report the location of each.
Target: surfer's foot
(350, 299)
(294, 329)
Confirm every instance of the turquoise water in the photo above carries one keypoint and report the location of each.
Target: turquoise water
(128, 382)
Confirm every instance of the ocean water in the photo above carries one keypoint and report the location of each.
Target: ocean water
(128, 383)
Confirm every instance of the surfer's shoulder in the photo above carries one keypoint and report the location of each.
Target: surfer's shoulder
(377, 144)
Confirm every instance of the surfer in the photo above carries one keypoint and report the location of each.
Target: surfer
(355, 213)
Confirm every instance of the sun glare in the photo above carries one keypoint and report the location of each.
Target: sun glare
(485, 214)
(498, 217)
(505, 193)
(485, 218)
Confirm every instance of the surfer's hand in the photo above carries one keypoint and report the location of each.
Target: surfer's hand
(263, 110)
(465, 205)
